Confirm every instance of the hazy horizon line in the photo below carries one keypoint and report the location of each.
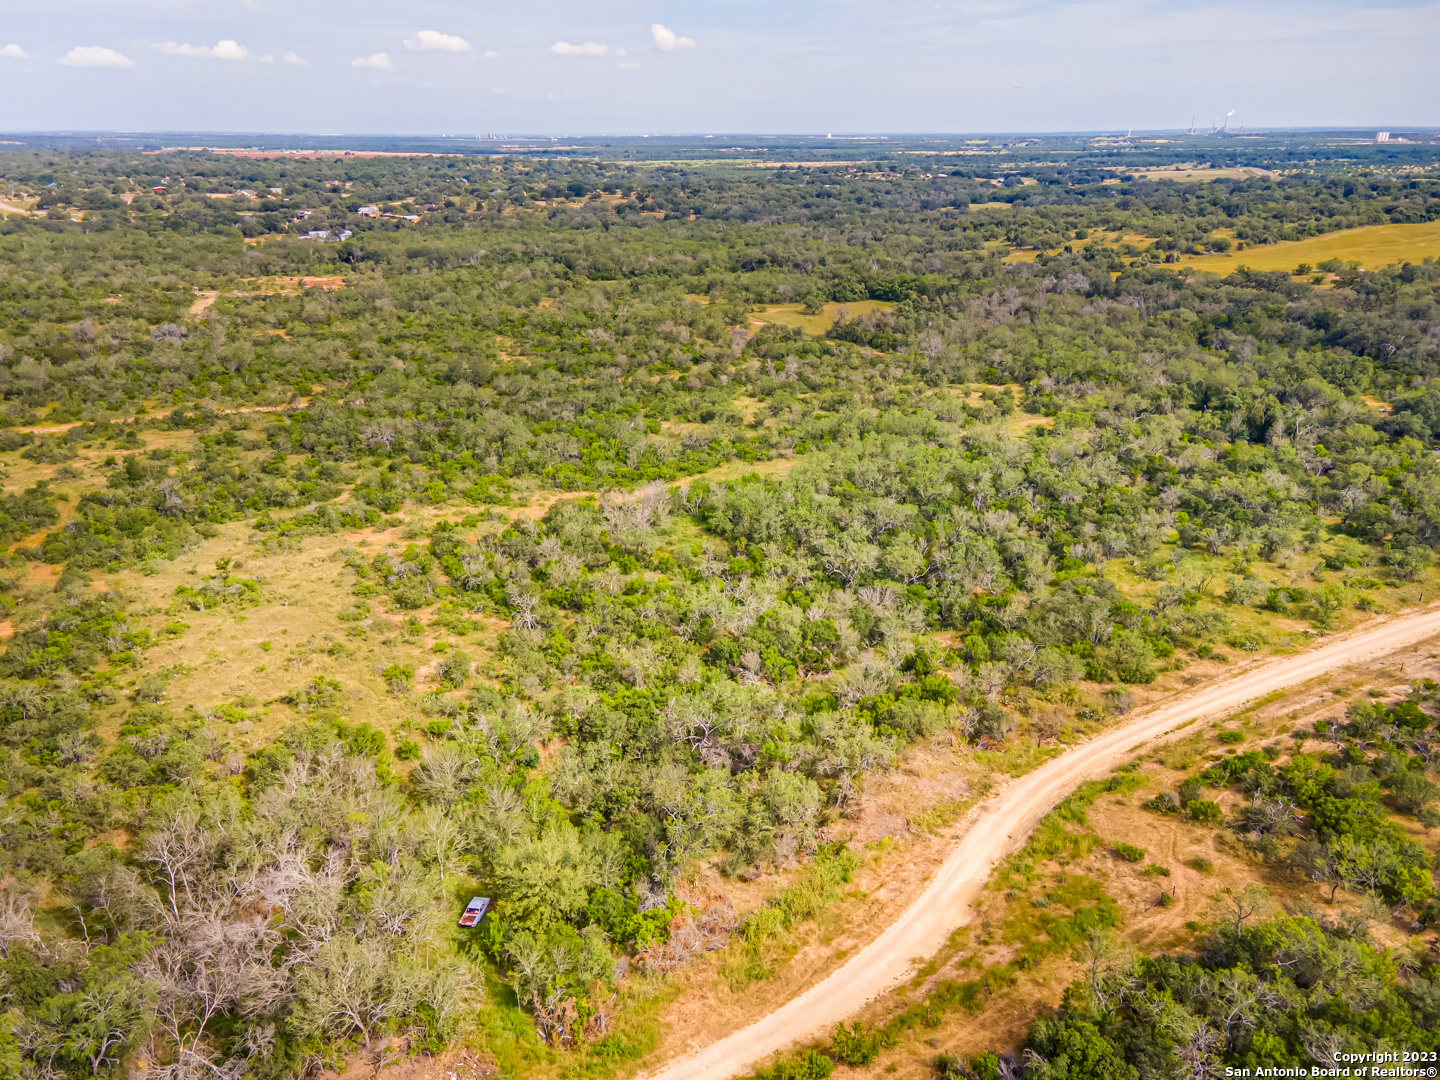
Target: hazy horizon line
(837, 136)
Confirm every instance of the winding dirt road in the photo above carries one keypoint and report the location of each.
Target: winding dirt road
(1001, 827)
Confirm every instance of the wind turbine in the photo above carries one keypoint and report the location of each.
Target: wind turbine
(1226, 129)
(1192, 125)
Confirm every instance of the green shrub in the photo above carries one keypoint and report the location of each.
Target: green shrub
(614, 1048)
(856, 1046)
(397, 677)
(322, 692)
(813, 1066)
(1118, 700)
(1204, 812)
(455, 669)
(1231, 738)
(1130, 853)
(355, 612)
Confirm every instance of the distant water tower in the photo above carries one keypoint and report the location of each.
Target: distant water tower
(1382, 136)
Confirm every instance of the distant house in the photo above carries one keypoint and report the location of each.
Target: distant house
(324, 236)
(246, 192)
(158, 190)
(410, 217)
(276, 190)
(369, 211)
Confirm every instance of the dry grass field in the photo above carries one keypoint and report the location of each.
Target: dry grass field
(1196, 174)
(1373, 247)
(794, 314)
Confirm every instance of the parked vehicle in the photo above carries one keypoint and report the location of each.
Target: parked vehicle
(474, 911)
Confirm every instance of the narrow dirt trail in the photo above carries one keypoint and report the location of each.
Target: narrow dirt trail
(203, 299)
(1001, 827)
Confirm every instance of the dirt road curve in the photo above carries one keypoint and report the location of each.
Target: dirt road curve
(1001, 827)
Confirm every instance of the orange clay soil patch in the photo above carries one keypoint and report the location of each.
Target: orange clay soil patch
(290, 285)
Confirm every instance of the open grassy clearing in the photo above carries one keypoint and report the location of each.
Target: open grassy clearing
(1188, 173)
(817, 324)
(1373, 247)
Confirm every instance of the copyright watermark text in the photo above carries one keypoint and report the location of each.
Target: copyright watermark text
(1381, 1064)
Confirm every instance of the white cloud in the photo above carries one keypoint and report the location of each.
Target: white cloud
(434, 41)
(15, 52)
(267, 59)
(629, 67)
(379, 60)
(95, 56)
(295, 58)
(221, 50)
(490, 54)
(620, 52)
(564, 48)
(250, 5)
(666, 39)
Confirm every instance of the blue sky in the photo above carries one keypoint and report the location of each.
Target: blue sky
(625, 66)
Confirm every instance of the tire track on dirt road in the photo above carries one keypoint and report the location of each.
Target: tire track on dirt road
(1001, 826)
